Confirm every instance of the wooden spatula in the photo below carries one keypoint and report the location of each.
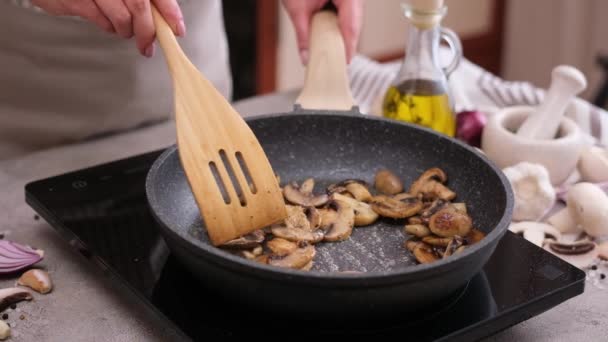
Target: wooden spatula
(229, 174)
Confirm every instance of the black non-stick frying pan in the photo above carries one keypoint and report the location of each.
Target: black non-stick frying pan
(330, 146)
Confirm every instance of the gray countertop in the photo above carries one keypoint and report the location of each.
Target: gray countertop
(86, 306)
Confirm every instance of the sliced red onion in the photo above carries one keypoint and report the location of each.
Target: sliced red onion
(14, 256)
(469, 126)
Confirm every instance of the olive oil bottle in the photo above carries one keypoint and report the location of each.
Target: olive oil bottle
(420, 93)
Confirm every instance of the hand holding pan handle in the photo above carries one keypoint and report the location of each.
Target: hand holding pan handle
(326, 85)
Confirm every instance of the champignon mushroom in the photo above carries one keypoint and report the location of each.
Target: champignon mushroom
(294, 194)
(387, 182)
(313, 216)
(425, 253)
(296, 227)
(430, 185)
(448, 222)
(580, 254)
(588, 205)
(453, 246)
(308, 266)
(297, 259)
(474, 236)
(417, 230)
(13, 295)
(364, 214)
(281, 247)
(437, 241)
(307, 186)
(341, 228)
(434, 207)
(389, 207)
(414, 220)
(354, 188)
(411, 244)
(252, 254)
(247, 241)
(460, 206)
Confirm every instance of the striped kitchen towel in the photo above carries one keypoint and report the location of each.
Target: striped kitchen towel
(472, 87)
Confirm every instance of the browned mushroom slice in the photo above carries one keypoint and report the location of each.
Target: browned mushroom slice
(431, 209)
(342, 226)
(461, 207)
(414, 220)
(307, 186)
(417, 230)
(247, 241)
(296, 259)
(356, 188)
(364, 214)
(474, 236)
(328, 217)
(252, 254)
(455, 243)
(314, 217)
(281, 247)
(262, 259)
(448, 222)
(425, 253)
(430, 185)
(437, 241)
(294, 195)
(308, 266)
(389, 207)
(297, 227)
(387, 182)
(411, 244)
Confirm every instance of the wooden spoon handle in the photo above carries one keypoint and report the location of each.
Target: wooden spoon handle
(326, 85)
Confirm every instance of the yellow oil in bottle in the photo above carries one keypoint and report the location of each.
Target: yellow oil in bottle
(422, 102)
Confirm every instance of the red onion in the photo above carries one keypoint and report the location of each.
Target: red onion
(469, 126)
(14, 257)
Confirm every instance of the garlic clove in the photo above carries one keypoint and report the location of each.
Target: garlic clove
(564, 222)
(532, 189)
(588, 206)
(36, 279)
(5, 330)
(593, 164)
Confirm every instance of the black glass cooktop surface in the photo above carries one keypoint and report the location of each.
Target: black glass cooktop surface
(102, 212)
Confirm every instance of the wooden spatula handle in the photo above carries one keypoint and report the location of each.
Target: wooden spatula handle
(326, 85)
(174, 55)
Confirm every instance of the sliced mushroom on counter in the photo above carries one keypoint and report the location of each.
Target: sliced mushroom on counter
(13, 295)
(386, 182)
(294, 195)
(342, 227)
(297, 227)
(437, 241)
(448, 222)
(418, 230)
(247, 241)
(297, 259)
(389, 207)
(454, 246)
(430, 185)
(364, 214)
(281, 247)
(581, 254)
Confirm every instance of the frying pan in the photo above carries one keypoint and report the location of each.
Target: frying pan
(332, 144)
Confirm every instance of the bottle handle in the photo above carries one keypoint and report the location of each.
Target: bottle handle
(455, 46)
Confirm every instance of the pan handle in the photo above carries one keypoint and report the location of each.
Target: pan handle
(326, 84)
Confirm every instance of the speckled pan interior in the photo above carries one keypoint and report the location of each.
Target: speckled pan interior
(334, 147)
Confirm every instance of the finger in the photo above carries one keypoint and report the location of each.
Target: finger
(170, 10)
(119, 15)
(53, 7)
(143, 26)
(89, 10)
(301, 13)
(350, 17)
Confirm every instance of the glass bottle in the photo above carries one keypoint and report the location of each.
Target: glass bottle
(420, 92)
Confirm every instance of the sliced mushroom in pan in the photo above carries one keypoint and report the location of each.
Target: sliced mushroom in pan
(297, 259)
(437, 241)
(281, 247)
(454, 246)
(430, 185)
(425, 253)
(448, 222)
(297, 227)
(386, 182)
(389, 207)
(342, 226)
(418, 230)
(294, 194)
(247, 241)
(474, 236)
(354, 188)
(364, 214)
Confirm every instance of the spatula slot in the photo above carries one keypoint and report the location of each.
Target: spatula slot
(220, 183)
(252, 187)
(233, 179)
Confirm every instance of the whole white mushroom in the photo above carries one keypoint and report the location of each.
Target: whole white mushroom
(588, 205)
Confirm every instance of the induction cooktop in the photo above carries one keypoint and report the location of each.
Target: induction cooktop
(102, 213)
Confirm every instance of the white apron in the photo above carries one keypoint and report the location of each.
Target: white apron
(63, 80)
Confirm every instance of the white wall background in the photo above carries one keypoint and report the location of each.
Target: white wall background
(384, 31)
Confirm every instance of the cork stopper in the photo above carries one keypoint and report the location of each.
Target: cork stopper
(425, 14)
